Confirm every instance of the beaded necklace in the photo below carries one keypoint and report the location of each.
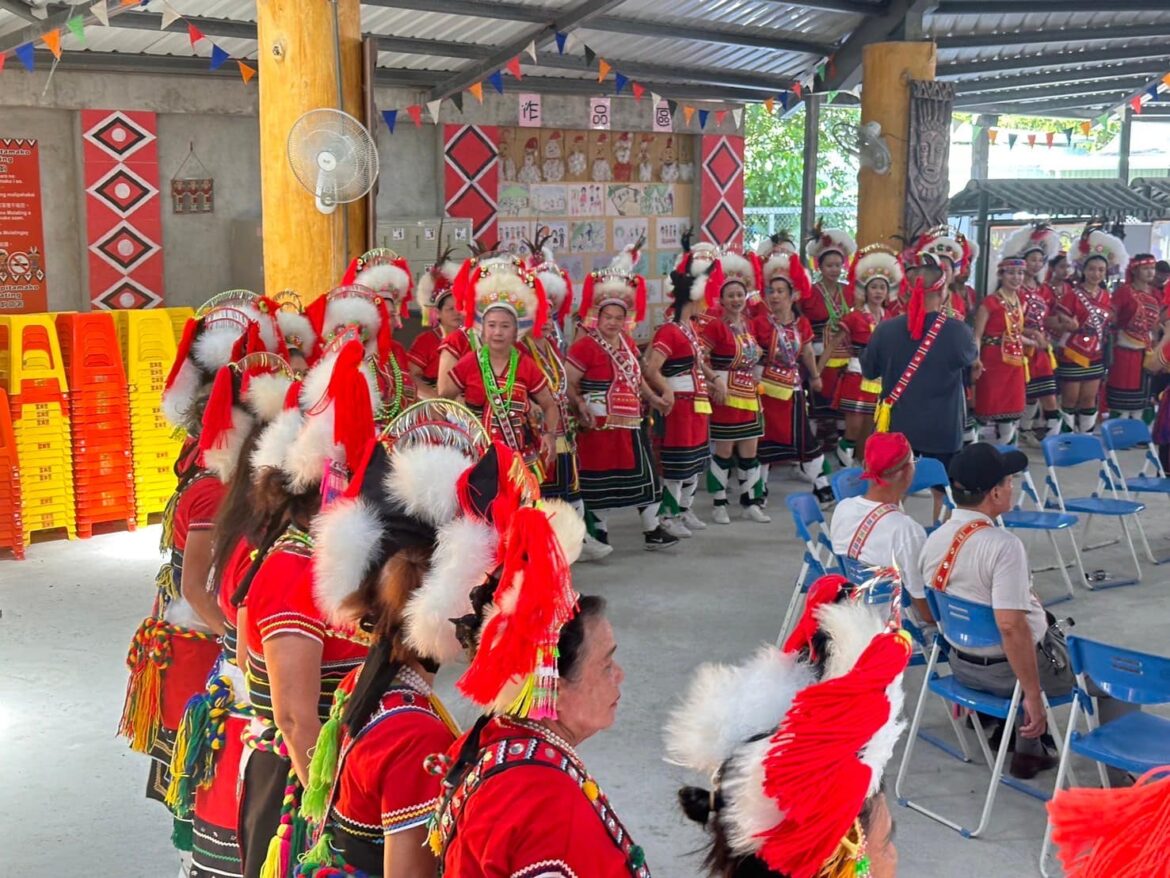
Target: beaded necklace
(499, 400)
(387, 411)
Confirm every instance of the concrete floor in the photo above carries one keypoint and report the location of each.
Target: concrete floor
(71, 793)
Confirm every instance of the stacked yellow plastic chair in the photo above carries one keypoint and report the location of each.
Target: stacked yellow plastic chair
(11, 531)
(33, 374)
(179, 318)
(147, 340)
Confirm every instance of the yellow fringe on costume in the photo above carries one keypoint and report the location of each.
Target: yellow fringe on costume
(868, 386)
(881, 416)
(777, 391)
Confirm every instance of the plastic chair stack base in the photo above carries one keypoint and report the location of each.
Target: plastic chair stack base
(32, 372)
(147, 340)
(11, 532)
(103, 471)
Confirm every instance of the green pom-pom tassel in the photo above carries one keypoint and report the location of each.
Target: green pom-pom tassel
(183, 835)
(637, 856)
(323, 765)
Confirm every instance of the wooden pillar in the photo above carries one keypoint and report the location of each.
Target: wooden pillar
(808, 182)
(305, 250)
(887, 69)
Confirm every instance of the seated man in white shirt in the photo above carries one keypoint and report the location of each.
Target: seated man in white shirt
(988, 565)
(873, 528)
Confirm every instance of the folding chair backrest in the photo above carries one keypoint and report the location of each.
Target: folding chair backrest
(806, 515)
(965, 623)
(1072, 449)
(847, 483)
(1121, 434)
(1124, 674)
(855, 571)
(1027, 485)
(928, 473)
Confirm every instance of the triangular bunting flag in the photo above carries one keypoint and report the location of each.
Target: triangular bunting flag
(497, 81)
(476, 90)
(561, 42)
(246, 72)
(572, 42)
(457, 100)
(3, 58)
(530, 50)
(1152, 91)
(1012, 138)
(784, 101)
(832, 97)
(975, 130)
(619, 82)
(101, 12)
(797, 90)
(688, 113)
(1068, 136)
(1103, 119)
(76, 27)
(514, 67)
(821, 70)
(27, 56)
(603, 68)
(720, 115)
(415, 115)
(992, 134)
(1049, 136)
(1086, 127)
(955, 125)
(169, 16)
(1166, 80)
(655, 99)
(832, 67)
(193, 33)
(769, 105)
(1135, 104)
(53, 40)
(737, 117)
(638, 89)
(670, 105)
(590, 57)
(1031, 141)
(703, 114)
(433, 108)
(390, 117)
(218, 57)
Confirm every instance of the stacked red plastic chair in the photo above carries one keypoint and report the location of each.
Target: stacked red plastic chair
(103, 468)
(33, 374)
(11, 532)
(147, 340)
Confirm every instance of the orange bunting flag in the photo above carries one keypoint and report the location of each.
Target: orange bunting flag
(769, 105)
(603, 68)
(476, 91)
(992, 133)
(513, 67)
(1049, 137)
(797, 90)
(1086, 127)
(246, 72)
(1166, 79)
(688, 113)
(1032, 140)
(53, 40)
(130, 2)
(415, 111)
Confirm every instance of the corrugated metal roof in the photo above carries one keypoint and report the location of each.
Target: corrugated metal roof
(1062, 198)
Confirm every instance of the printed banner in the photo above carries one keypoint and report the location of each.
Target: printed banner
(22, 235)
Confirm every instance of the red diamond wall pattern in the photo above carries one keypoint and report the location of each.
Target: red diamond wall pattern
(721, 190)
(471, 174)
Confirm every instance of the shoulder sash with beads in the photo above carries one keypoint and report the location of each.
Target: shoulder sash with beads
(866, 528)
(942, 576)
(1098, 314)
(916, 361)
(623, 401)
(535, 751)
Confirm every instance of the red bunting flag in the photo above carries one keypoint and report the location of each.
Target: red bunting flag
(769, 105)
(246, 72)
(1050, 136)
(797, 90)
(1032, 141)
(638, 90)
(3, 58)
(513, 67)
(1136, 104)
(415, 111)
(193, 33)
(720, 115)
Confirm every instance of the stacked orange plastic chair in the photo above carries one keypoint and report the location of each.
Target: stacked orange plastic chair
(11, 532)
(147, 341)
(33, 374)
(103, 469)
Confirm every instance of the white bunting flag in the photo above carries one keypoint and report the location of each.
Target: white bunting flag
(655, 99)
(737, 115)
(100, 12)
(169, 16)
(433, 109)
(531, 50)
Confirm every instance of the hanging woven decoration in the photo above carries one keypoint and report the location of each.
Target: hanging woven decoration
(192, 194)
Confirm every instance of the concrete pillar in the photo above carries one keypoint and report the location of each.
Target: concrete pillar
(808, 183)
(887, 69)
(981, 145)
(1124, 145)
(304, 249)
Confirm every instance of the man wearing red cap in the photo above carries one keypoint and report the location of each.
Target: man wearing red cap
(872, 528)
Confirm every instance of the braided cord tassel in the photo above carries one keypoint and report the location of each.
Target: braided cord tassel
(149, 655)
(324, 762)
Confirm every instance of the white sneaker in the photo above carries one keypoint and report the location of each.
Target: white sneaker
(676, 528)
(719, 515)
(594, 549)
(756, 514)
(692, 521)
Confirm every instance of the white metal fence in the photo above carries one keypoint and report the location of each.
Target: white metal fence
(760, 222)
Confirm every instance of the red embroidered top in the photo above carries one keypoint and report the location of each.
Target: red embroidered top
(613, 402)
(424, 353)
(517, 432)
(1137, 316)
(196, 508)
(1093, 313)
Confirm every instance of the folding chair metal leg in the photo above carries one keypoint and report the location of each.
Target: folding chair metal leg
(912, 737)
(1061, 771)
(793, 603)
(1060, 565)
(997, 771)
(1137, 565)
(1145, 542)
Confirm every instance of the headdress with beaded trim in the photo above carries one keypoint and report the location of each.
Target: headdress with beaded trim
(825, 241)
(872, 262)
(501, 282)
(386, 273)
(435, 284)
(1138, 261)
(941, 241)
(555, 280)
(701, 260)
(745, 267)
(618, 285)
(1033, 238)
(775, 244)
(790, 267)
(296, 328)
(351, 306)
(1096, 243)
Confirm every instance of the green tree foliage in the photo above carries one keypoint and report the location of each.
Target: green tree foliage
(774, 158)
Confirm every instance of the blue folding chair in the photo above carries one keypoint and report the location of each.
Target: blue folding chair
(967, 625)
(1136, 742)
(847, 483)
(1046, 520)
(811, 528)
(930, 473)
(1074, 449)
(1125, 434)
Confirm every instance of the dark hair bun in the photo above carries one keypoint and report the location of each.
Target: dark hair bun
(696, 803)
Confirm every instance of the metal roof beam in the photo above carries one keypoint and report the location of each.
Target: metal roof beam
(152, 21)
(1057, 35)
(55, 21)
(1043, 7)
(1079, 108)
(1028, 80)
(559, 85)
(435, 48)
(1121, 86)
(847, 58)
(847, 7)
(753, 37)
(131, 62)
(20, 10)
(644, 70)
(565, 20)
(474, 8)
(1056, 59)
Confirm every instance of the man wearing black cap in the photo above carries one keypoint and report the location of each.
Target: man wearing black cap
(971, 558)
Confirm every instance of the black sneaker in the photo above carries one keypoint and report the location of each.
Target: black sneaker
(658, 539)
(824, 494)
